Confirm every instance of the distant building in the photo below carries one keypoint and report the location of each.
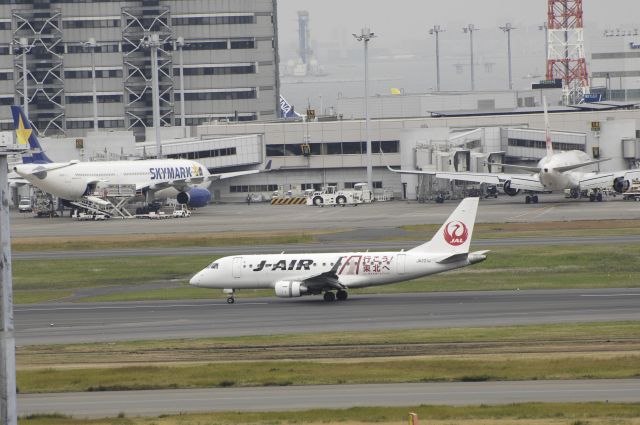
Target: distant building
(229, 53)
(615, 64)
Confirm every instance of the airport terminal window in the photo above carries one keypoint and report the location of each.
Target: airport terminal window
(217, 70)
(5, 25)
(101, 48)
(254, 188)
(4, 50)
(540, 144)
(207, 45)
(6, 75)
(100, 73)
(351, 148)
(209, 153)
(243, 44)
(101, 98)
(93, 23)
(377, 185)
(388, 146)
(333, 148)
(221, 95)
(214, 20)
(7, 100)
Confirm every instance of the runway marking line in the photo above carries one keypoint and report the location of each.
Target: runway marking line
(134, 307)
(610, 295)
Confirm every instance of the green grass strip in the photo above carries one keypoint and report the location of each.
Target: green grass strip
(269, 373)
(563, 413)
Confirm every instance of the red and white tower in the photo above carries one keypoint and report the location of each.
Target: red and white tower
(566, 58)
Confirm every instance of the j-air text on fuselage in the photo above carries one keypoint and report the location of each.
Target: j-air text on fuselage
(557, 171)
(332, 274)
(186, 180)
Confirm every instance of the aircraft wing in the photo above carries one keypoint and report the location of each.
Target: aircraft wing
(517, 181)
(222, 176)
(328, 279)
(603, 180)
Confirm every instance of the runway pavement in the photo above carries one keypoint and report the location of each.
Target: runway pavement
(154, 403)
(75, 323)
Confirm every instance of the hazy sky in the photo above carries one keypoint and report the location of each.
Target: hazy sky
(399, 20)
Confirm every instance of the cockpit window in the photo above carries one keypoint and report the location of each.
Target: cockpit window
(214, 266)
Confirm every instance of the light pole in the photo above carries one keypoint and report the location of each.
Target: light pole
(366, 35)
(180, 44)
(436, 30)
(153, 42)
(8, 409)
(470, 30)
(507, 29)
(91, 44)
(23, 44)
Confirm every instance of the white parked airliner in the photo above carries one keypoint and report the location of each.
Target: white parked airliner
(295, 275)
(188, 181)
(554, 172)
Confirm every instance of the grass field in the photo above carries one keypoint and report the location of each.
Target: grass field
(508, 268)
(512, 414)
(580, 351)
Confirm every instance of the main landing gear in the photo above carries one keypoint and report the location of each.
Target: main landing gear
(531, 199)
(340, 295)
(595, 197)
(230, 295)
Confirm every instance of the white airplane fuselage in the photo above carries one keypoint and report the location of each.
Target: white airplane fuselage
(70, 180)
(554, 180)
(356, 269)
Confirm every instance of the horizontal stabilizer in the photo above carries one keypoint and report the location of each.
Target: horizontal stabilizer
(582, 164)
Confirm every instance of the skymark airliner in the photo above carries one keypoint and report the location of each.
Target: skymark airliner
(187, 181)
(295, 275)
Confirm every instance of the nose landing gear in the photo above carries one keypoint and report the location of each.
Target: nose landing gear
(230, 295)
(531, 199)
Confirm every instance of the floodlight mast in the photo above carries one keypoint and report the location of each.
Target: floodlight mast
(507, 28)
(91, 44)
(436, 30)
(365, 36)
(152, 41)
(470, 29)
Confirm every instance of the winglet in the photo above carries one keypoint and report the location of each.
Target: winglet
(454, 236)
(25, 135)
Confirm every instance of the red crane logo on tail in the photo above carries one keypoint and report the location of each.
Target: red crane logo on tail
(456, 233)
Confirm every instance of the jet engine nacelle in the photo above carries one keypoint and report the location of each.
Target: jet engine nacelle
(621, 185)
(509, 190)
(290, 289)
(194, 198)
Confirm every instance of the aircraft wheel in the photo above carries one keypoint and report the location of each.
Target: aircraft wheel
(599, 197)
(527, 200)
(231, 300)
(534, 198)
(329, 296)
(592, 197)
(342, 295)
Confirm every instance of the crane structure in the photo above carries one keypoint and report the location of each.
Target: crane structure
(565, 50)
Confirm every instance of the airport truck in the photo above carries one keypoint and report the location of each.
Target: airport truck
(330, 195)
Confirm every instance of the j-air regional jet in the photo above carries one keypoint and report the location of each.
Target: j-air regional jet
(554, 172)
(187, 181)
(295, 275)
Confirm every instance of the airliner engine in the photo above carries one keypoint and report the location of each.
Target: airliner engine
(194, 198)
(290, 289)
(621, 185)
(509, 190)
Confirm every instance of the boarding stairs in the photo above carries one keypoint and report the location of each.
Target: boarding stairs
(108, 200)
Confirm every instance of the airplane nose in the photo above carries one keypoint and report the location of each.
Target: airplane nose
(195, 280)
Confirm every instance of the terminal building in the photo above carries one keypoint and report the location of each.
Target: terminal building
(225, 50)
(615, 64)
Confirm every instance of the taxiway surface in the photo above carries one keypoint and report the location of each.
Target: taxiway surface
(374, 217)
(156, 402)
(76, 323)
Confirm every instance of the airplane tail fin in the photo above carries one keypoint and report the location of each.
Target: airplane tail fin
(547, 131)
(454, 237)
(25, 135)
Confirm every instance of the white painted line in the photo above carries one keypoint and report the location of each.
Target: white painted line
(136, 307)
(610, 295)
